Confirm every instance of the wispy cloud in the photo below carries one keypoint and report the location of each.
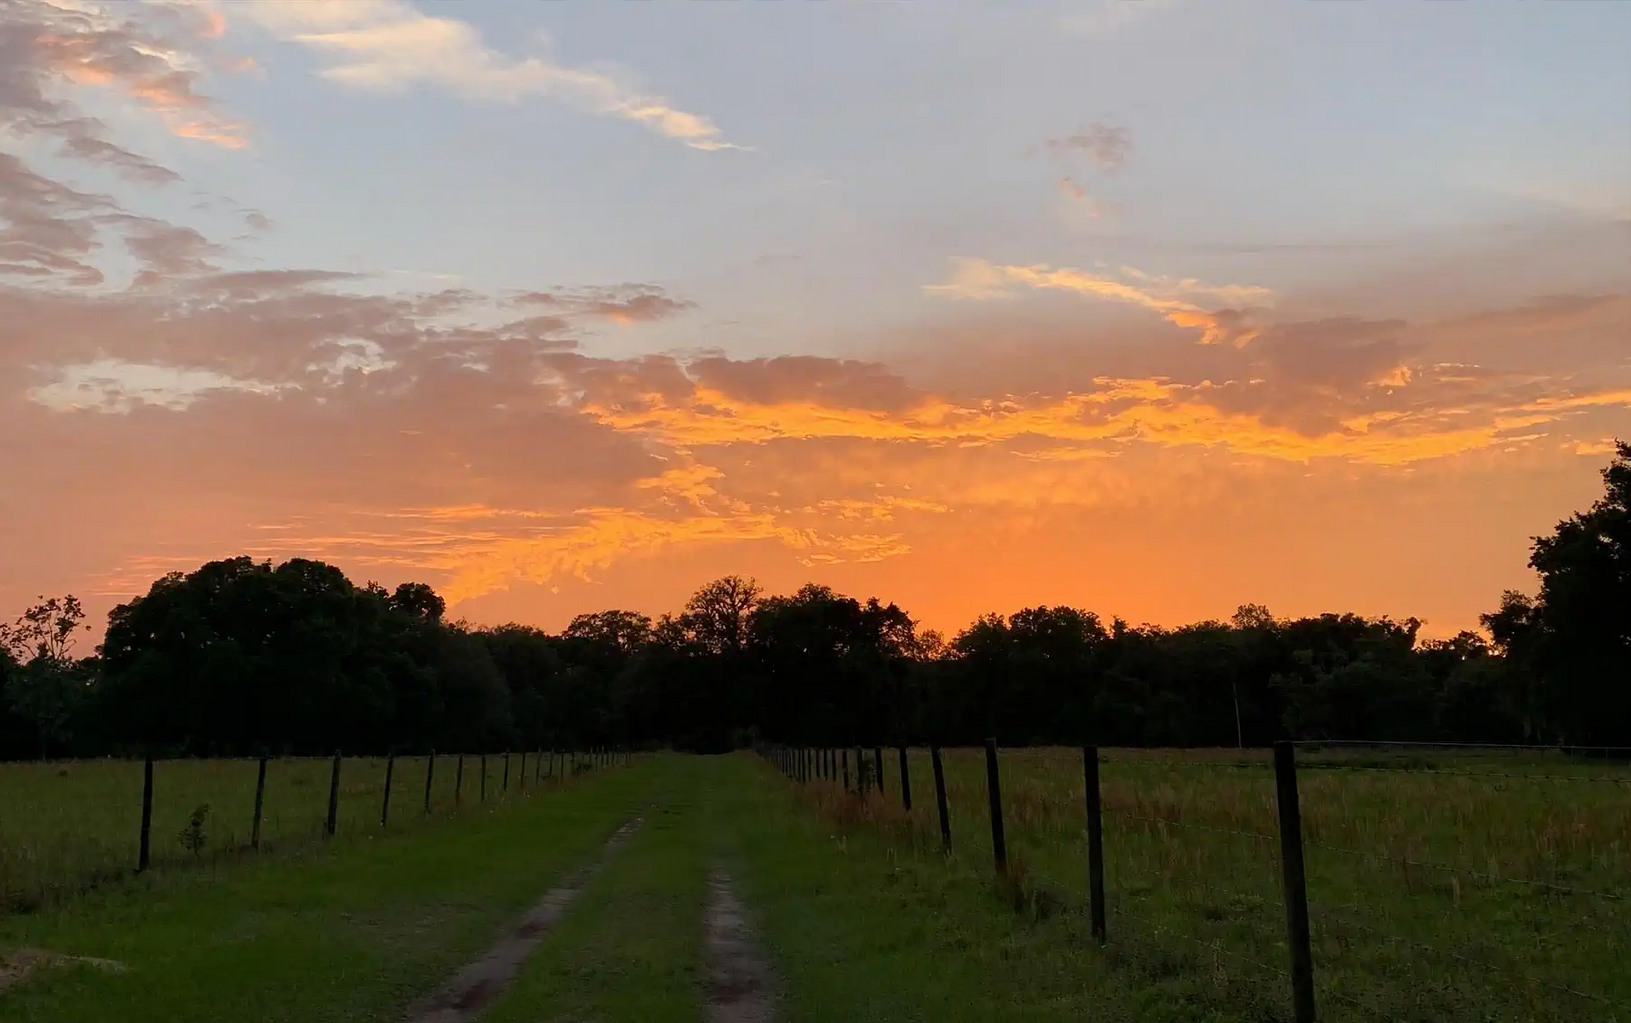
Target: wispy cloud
(624, 305)
(147, 53)
(389, 45)
(1105, 145)
(1174, 298)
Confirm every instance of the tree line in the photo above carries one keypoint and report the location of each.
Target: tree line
(242, 657)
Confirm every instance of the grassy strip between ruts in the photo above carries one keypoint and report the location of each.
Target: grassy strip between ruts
(631, 948)
(861, 930)
(347, 933)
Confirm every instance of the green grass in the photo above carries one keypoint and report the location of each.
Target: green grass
(347, 931)
(1192, 871)
(631, 947)
(864, 918)
(862, 928)
(70, 825)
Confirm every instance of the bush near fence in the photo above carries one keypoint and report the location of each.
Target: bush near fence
(1438, 882)
(67, 826)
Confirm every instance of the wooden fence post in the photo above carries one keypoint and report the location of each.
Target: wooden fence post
(1095, 840)
(260, 805)
(143, 853)
(521, 772)
(1296, 882)
(333, 799)
(940, 798)
(506, 772)
(905, 782)
(430, 775)
(385, 804)
(843, 759)
(877, 766)
(993, 788)
(458, 783)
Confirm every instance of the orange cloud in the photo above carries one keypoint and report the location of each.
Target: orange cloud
(422, 436)
(980, 279)
(145, 66)
(1120, 411)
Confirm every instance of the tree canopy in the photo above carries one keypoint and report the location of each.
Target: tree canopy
(243, 656)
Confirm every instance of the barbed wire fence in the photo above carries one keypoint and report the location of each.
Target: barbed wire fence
(70, 825)
(1333, 881)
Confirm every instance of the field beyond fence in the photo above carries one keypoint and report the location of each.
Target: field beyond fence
(1441, 883)
(66, 826)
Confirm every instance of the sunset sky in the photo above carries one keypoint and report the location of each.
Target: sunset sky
(1152, 307)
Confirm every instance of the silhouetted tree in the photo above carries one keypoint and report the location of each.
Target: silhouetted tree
(1574, 638)
(241, 655)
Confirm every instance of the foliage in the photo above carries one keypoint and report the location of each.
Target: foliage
(1574, 637)
(240, 657)
(193, 837)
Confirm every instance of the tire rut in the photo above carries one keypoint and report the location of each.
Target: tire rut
(739, 989)
(479, 983)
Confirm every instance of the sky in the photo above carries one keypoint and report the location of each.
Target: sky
(1150, 307)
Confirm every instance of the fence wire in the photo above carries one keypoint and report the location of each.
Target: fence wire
(1167, 808)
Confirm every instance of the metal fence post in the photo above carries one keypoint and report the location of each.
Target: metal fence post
(385, 804)
(993, 788)
(905, 782)
(1095, 840)
(333, 798)
(260, 805)
(1296, 881)
(143, 857)
(940, 798)
(430, 775)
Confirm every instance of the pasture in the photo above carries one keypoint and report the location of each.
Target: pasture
(66, 826)
(1442, 884)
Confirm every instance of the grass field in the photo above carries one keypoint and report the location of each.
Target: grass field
(347, 931)
(67, 825)
(864, 919)
(856, 929)
(1442, 886)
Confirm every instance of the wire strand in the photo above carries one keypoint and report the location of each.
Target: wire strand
(1416, 744)
(1600, 779)
(1259, 836)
